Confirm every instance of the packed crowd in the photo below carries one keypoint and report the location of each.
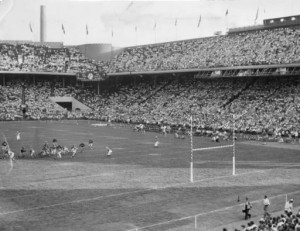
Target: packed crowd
(276, 46)
(252, 105)
(33, 58)
(266, 105)
(287, 221)
(37, 99)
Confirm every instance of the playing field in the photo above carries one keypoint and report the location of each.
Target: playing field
(139, 186)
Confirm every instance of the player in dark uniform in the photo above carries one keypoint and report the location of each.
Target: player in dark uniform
(22, 152)
(5, 149)
(54, 142)
(81, 147)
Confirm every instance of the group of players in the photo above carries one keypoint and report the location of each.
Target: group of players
(178, 134)
(55, 150)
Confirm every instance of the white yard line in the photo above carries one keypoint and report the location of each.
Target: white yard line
(206, 213)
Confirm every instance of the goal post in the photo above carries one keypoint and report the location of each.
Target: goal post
(210, 148)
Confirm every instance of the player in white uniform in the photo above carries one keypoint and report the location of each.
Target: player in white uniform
(73, 151)
(156, 143)
(18, 135)
(164, 130)
(65, 150)
(11, 155)
(31, 152)
(109, 151)
(58, 152)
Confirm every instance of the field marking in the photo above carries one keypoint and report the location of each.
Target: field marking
(82, 176)
(119, 194)
(206, 213)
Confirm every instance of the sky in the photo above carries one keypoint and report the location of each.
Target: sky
(130, 23)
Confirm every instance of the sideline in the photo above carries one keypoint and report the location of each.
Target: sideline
(209, 212)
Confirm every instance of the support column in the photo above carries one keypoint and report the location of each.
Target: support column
(3, 80)
(98, 88)
(64, 81)
(155, 81)
(34, 83)
(116, 83)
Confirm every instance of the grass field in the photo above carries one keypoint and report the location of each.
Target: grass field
(139, 186)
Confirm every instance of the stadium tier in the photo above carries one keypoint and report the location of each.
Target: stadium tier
(268, 104)
(265, 47)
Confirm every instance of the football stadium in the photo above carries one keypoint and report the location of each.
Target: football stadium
(126, 124)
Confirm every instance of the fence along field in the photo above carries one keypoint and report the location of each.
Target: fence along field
(140, 187)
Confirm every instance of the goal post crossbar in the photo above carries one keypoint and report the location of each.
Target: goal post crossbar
(211, 148)
(192, 150)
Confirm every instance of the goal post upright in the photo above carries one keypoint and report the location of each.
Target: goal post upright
(233, 147)
(192, 150)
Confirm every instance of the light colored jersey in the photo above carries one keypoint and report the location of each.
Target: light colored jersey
(11, 155)
(109, 152)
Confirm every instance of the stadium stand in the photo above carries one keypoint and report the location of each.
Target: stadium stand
(261, 104)
(35, 58)
(275, 46)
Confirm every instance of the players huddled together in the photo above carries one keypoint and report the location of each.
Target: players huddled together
(54, 150)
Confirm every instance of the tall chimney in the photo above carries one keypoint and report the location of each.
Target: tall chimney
(42, 24)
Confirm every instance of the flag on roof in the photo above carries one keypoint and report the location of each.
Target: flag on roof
(87, 30)
(154, 27)
(63, 28)
(129, 5)
(199, 21)
(30, 27)
(176, 22)
(226, 12)
(256, 17)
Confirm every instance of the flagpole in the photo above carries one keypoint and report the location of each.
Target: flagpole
(86, 34)
(112, 35)
(226, 21)
(256, 17)
(135, 35)
(199, 22)
(62, 36)
(31, 30)
(175, 29)
(155, 32)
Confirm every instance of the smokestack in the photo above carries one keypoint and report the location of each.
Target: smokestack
(42, 24)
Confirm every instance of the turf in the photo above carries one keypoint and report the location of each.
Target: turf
(139, 186)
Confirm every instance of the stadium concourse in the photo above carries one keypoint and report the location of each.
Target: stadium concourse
(259, 108)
